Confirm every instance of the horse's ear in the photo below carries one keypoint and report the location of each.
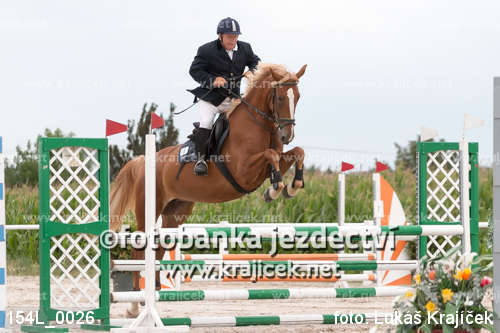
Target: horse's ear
(301, 72)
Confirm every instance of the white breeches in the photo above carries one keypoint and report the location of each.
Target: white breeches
(208, 111)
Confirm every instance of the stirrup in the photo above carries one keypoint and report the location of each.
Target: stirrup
(201, 168)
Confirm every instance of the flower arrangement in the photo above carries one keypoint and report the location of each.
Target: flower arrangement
(447, 296)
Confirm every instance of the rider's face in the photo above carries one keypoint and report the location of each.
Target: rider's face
(228, 40)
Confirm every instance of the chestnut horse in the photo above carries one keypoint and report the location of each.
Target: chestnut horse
(260, 123)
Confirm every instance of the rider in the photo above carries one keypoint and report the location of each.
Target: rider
(216, 63)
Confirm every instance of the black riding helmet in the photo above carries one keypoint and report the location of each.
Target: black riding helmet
(228, 26)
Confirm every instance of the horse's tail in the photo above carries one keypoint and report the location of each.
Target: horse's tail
(123, 193)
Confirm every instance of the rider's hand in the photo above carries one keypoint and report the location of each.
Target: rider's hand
(219, 82)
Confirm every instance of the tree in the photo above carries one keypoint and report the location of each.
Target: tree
(136, 136)
(24, 168)
(406, 157)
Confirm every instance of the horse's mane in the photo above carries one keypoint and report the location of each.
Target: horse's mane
(260, 74)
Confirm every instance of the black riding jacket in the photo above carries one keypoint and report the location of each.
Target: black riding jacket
(212, 61)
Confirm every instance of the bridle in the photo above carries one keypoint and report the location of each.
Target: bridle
(282, 122)
(278, 122)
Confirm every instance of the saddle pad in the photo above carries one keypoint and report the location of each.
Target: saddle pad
(187, 153)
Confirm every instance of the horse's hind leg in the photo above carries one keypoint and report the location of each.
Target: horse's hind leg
(133, 311)
(175, 213)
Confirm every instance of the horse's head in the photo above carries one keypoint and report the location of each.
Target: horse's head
(283, 100)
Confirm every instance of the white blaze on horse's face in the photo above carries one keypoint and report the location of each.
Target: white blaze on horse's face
(291, 102)
(291, 106)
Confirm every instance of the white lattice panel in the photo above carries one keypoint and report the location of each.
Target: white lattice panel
(443, 197)
(74, 199)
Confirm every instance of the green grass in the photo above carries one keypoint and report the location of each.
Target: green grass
(317, 202)
(21, 207)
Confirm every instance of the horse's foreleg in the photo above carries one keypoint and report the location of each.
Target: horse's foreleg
(273, 191)
(296, 155)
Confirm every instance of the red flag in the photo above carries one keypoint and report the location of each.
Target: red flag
(380, 167)
(346, 166)
(113, 127)
(156, 121)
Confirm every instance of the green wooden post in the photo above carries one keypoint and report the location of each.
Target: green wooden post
(73, 193)
(424, 149)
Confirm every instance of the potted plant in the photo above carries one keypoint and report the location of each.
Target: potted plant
(447, 296)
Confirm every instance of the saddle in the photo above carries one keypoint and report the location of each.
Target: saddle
(218, 135)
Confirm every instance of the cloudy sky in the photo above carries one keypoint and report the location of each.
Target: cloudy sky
(377, 70)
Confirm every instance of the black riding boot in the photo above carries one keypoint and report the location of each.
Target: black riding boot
(201, 143)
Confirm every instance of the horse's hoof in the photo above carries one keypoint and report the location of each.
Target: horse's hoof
(344, 284)
(271, 194)
(286, 194)
(267, 196)
(289, 191)
(129, 314)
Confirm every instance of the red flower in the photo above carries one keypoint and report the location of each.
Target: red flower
(485, 281)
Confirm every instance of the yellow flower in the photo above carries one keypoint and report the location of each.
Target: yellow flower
(466, 274)
(431, 307)
(409, 294)
(447, 295)
(417, 278)
(458, 275)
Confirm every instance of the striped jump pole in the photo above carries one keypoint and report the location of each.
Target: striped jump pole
(482, 224)
(352, 265)
(3, 248)
(236, 321)
(137, 265)
(334, 278)
(278, 257)
(326, 230)
(254, 294)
